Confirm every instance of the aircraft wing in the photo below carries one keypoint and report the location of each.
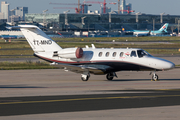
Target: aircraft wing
(94, 69)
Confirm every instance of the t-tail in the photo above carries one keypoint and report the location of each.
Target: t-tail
(44, 47)
(38, 40)
(164, 27)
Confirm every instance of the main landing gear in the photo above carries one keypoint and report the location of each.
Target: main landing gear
(154, 77)
(111, 75)
(85, 77)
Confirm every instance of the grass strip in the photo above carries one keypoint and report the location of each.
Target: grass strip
(25, 65)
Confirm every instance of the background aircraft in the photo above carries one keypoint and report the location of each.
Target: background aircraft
(162, 30)
(9, 36)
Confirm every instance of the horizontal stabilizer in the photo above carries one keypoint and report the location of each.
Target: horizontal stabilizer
(19, 27)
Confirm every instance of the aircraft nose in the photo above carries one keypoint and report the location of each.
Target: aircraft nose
(172, 65)
(168, 65)
(162, 64)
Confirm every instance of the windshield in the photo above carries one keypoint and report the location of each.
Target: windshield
(142, 53)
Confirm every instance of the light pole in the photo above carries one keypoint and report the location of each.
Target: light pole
(162, 17)
(153, 25)
(178, 26)
(137, 19)
(83, 20)
(44, 20)
(66, 19)
(110, 20)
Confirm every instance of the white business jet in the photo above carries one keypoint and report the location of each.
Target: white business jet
(92, 60)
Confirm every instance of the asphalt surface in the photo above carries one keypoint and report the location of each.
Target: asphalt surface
(71, 103)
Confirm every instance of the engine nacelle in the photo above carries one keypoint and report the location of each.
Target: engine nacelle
(72, 53)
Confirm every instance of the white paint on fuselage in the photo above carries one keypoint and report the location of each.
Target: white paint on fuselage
(92, 55)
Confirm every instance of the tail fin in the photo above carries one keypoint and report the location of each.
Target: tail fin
(164, 27)
(38, 40)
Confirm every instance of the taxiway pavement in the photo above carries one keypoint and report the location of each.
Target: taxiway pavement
(56, 94)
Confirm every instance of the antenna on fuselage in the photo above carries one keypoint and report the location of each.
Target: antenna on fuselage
(87, 46)
(93, 46)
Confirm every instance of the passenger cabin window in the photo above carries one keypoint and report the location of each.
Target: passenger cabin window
(121, 54)
(100, 54)
(107, 54)
(114, 54)
(133, 54)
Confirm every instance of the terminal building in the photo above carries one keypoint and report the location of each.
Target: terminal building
(102, 22)
(87, 20)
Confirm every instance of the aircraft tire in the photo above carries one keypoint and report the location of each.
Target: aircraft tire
(109, 76)
(85, 78)
(155, 77)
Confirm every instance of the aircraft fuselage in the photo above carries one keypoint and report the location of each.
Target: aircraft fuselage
(113, 60)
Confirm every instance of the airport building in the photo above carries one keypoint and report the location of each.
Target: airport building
(21, 11)
(17, 14)
(103, 22)
(3, 24)
(4, 10)
(84, 9)
(123, 6)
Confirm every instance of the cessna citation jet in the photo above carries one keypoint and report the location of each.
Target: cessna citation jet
(92, 60)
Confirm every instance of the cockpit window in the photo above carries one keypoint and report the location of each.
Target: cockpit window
(133, 54)
(142, 53)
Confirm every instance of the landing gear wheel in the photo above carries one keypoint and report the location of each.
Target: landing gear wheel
(110, 76)
(155, 77)
(85, 77)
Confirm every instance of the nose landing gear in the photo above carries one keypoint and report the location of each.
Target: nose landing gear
(154, 77)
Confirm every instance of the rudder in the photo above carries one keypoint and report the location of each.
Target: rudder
(164, 27)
